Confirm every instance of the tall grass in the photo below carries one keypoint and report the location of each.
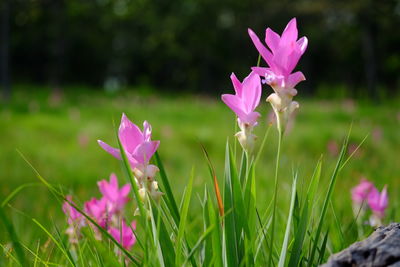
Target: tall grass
(234, 230)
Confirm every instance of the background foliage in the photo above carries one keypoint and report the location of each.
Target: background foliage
(193, 45)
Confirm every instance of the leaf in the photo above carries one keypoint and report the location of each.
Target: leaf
(215, 182)
(299, 237)
(327, 200)
(323, 247)
(182, 224)
(167, 189)
(216, 235)
(231, 233)
(282, 257)
(13, 236)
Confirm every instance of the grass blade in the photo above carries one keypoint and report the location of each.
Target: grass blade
(215, 182)
(327, 200)
(182, 224)
(282, 257)
(167, 189)
(13, 236)
(59, 246)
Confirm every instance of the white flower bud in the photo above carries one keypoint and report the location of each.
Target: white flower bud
(142, 193)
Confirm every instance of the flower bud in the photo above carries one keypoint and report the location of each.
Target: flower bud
(142, 193)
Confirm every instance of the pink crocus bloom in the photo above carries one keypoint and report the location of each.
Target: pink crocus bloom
(116, 197)
(97, 209)
(378, 202)
(126, 233)
(282, 55)
(73, 215)
(137, 144)
(246, 98)
(361, 192)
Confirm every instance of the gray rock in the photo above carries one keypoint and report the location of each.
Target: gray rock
(382, 248)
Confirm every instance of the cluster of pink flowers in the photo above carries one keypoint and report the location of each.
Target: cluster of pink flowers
(281, 56)
(107, 211)
(366, 192)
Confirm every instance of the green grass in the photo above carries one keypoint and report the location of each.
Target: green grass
(59, 140)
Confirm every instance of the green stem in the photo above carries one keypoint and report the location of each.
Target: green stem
(278, 154)
(247, 155)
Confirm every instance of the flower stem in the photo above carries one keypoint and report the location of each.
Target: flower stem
(278, 154)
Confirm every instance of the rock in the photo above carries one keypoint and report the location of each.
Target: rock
(382, 248)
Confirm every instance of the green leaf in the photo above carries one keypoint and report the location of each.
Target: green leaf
(16, 191)
(216, 234)
(299, 237)
(13, 236)
(199, 242)
(231, 238)
(282, 257)
(313, 187)
(323, 248)
(167, 189)
(182, 225)
(327, 200)
(164, 239)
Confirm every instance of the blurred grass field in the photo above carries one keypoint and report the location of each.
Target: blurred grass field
(58, 134)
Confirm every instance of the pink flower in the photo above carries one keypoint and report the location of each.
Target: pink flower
(282, 56)
(360, 193)
(74, 216)
(246, 99)
(127, 234)
(116, 198)
(137, 144)
(378, 202)
(97, 209)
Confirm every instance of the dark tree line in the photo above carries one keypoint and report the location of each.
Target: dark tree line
(193, 45)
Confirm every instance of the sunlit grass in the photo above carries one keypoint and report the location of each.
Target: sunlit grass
(59, 139)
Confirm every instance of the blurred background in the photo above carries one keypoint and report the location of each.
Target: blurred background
(69, 68)
(193, 45)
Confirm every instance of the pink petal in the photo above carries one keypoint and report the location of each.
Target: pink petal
(234, 103)
(129, 134)
(113, 181)
(124, 191)
(384, 198)
(237, 85)
(146, 131)
(302, 43)
(251, 118)
(289, 35)
(287, 58)
(295, 78)
(107, 190)
(109, 149)
(145, 151)
(266, 55)
(274, 80)
(251, 92)
(260, 70)
(272, 39)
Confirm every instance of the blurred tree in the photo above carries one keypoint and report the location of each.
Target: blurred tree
(4, 49)
(193, 45)
(57, 30)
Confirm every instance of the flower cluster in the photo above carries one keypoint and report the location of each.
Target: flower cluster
(366, 192)
(139, 148)
(107, 212)
(282, 57)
